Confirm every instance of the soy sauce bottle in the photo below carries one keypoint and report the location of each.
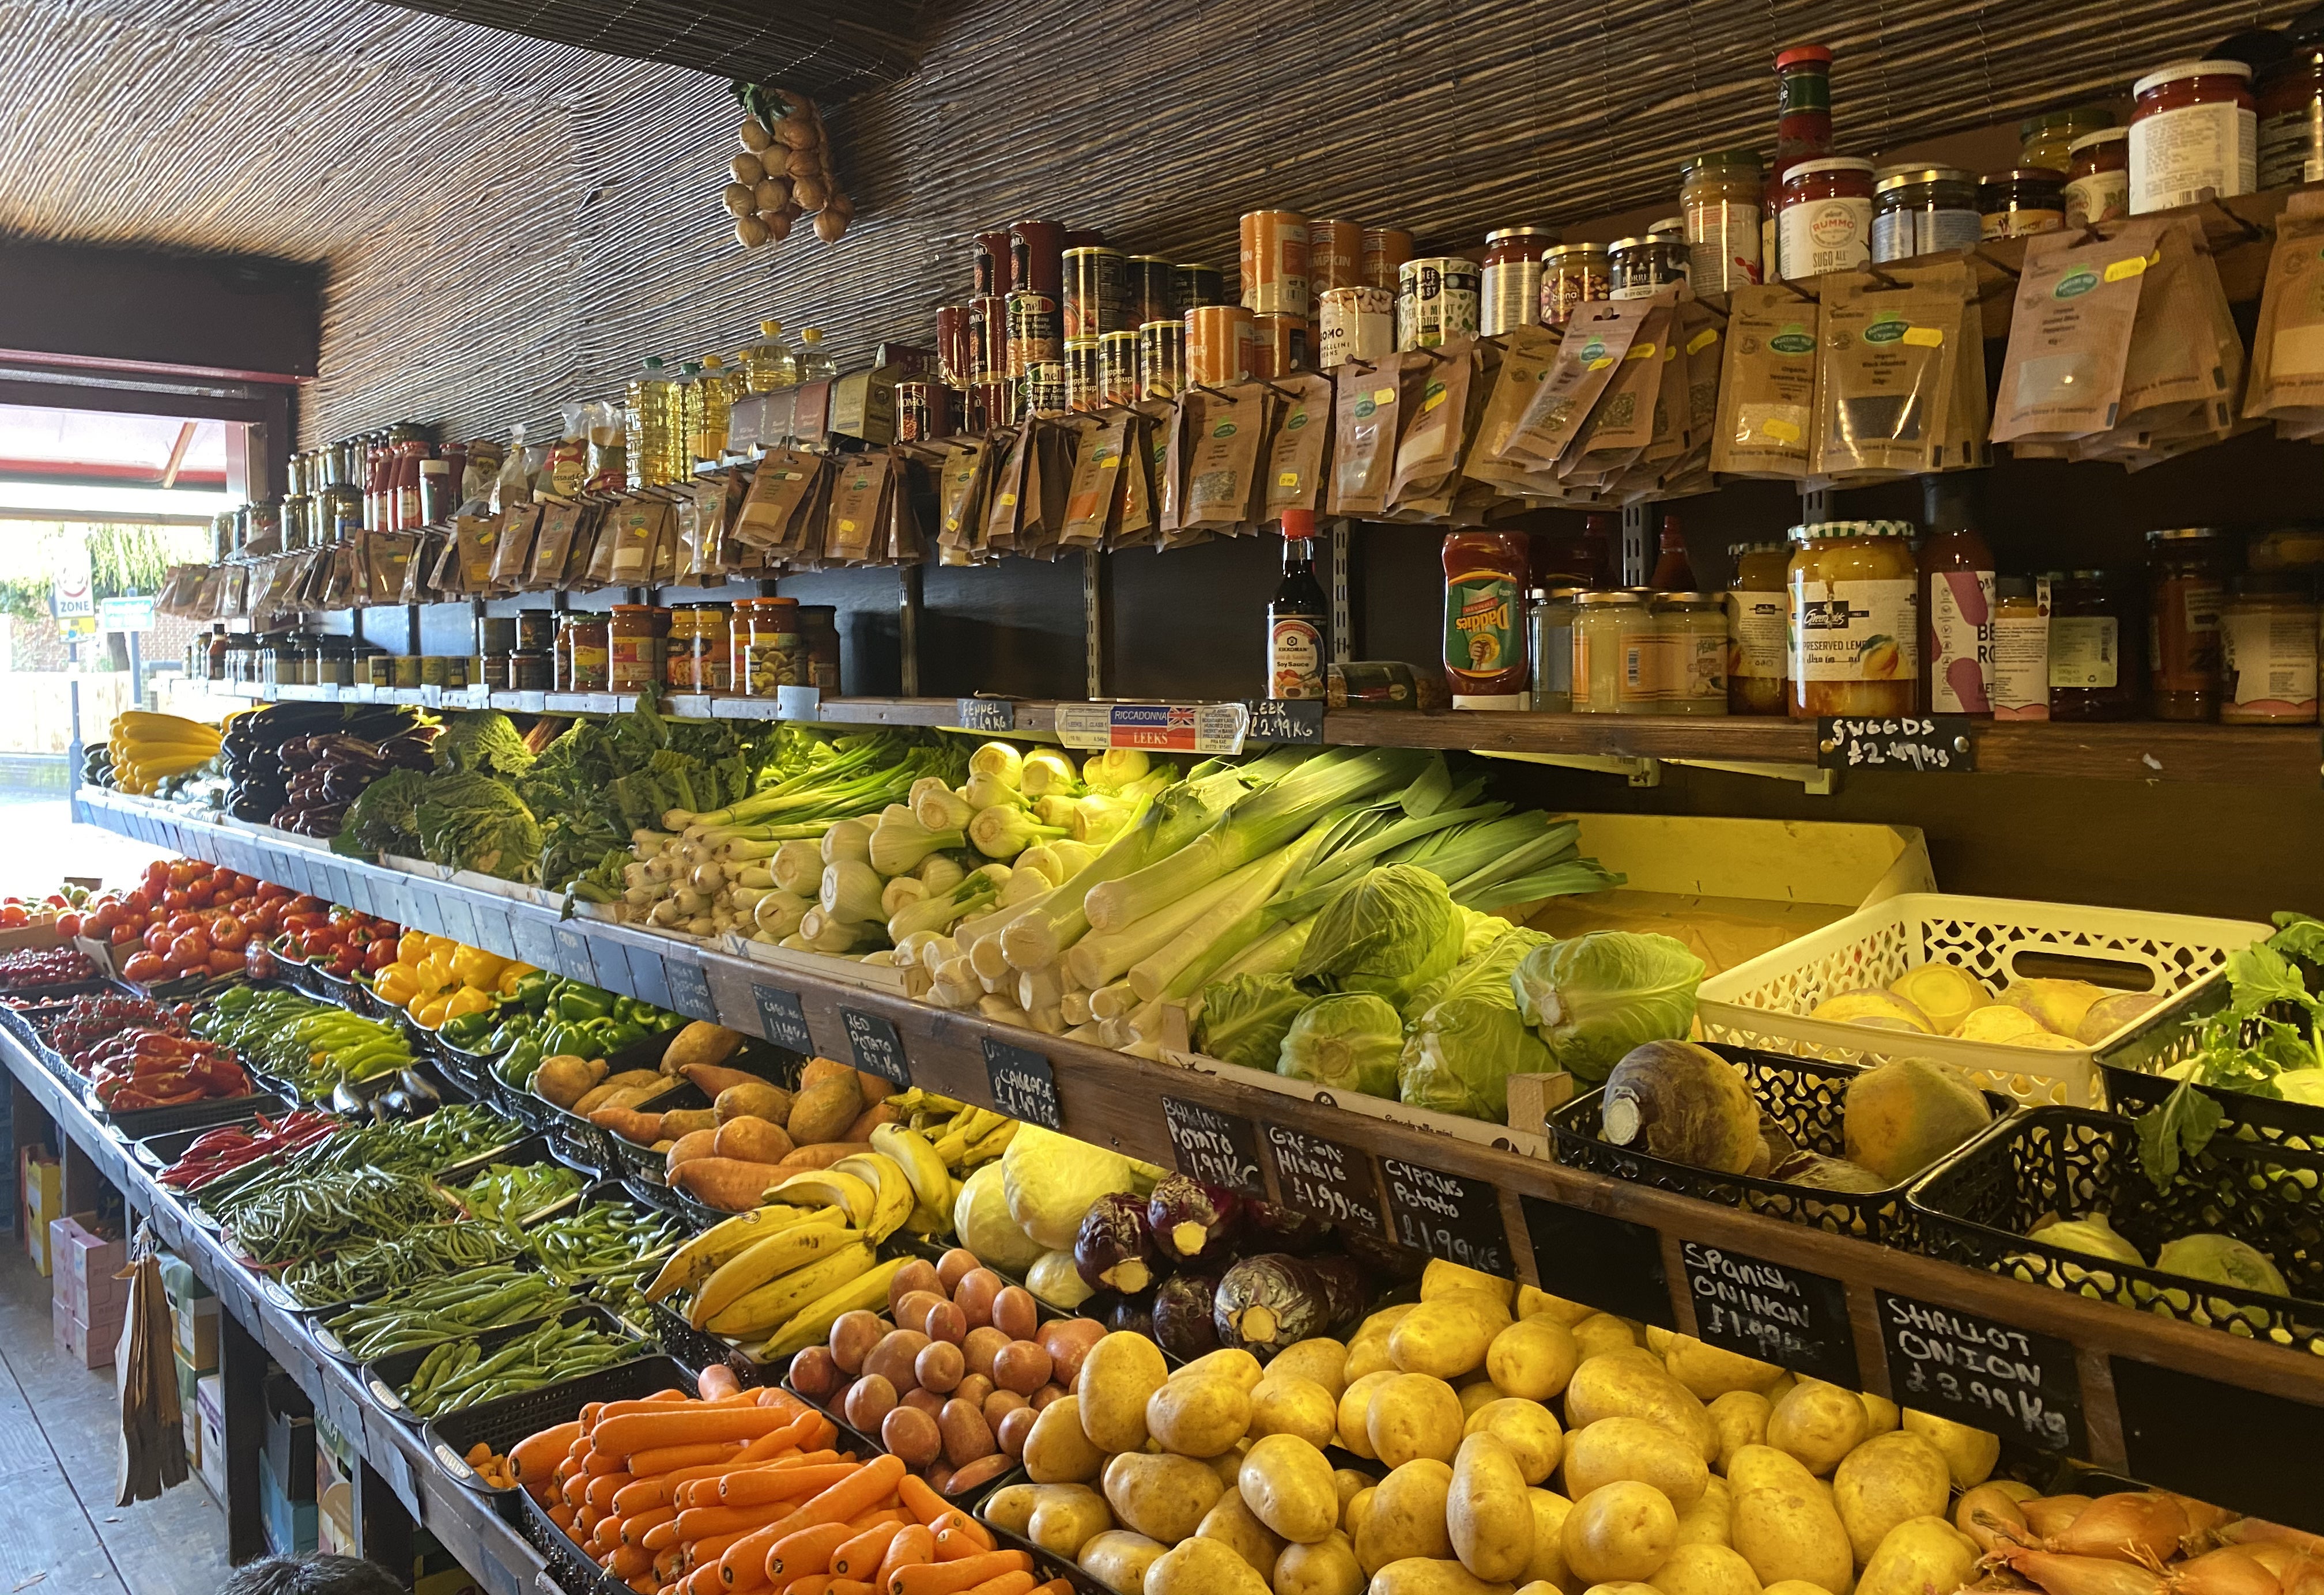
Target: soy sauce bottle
(1297, 618)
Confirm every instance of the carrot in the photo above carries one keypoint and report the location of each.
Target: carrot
(642, 1495)
(1008, 1583)
(661, 1536)
(702, 1581)
(628, 1561)
(869, 1483)
(718, 1379)
(946, 1578)
(699, 1522)
(604, 1461)
(814, 1583)
(668, 1563)
(536, 1456)
(840, 1586)
(862, 1554)
(700, 1424)
(958, 1535)
(661, 1459)
(603, 1487)
(644, 1584)
(744, 1563)
(912, 1546)
(634, 1527)
(711, 1549)
(659, 1401)
(782, 1484)
(806, 1550)
(923, 1503)
(1055, 1587)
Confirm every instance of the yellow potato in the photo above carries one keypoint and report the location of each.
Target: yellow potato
(1619, 1587)
(1888, 1479)
(1228, 1363)
(1355, 1412)
(1819, 1423)
(1763, 1466)
(1794, 1534)
(1548, 1564)
(1880, 1413)
(1199, 1415)
(1441, 1276)
(1705, 1569)
(1285, 1404)
(1970, 1452)
(1163, 1498)
(1287, 1484)
(1709, 1372)
(1380, 1322)
(1228, 1463)
(1358, 1507)
(1477, 1394)
(1535, 1303)
(1619, 1531)
(1328, 1567)
(1405, 1517)
(1602, 1332)
(1919, 1554)
(1366, 1356)
(1528, 1428)
(1348, 1484)
(1534, 1358)
(1202, 1567)
(1444, 1338)
(1709, 1521)
(1619, 1448)
(1118, 1559)
(1739, 1418)
(1793, 1587)
(1011, 1508)
(1322, 1360)
(1058, 1450)
(1487, 1513)
(1634, 1384)
(1066, 1517)
(1232, 1523)
(1414, 1415)
(1418, 1575)
(1117, 1376)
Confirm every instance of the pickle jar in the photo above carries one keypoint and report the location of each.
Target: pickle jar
(1692, 632)
(819, 624)
(586, 642)
(1549, 611)
(1601, 619)
(2268, 634)
(1755, 629)
(1720, 193)
(1852, 627)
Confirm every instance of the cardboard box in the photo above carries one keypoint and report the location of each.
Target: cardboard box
(290, 1438)
(189, 1411)
(291, 1526)
(209, 1401)
(85, 1264)
(436, 1572)
(42, 1181)
(335, 1491)
(91, 1344)
(193, 1313)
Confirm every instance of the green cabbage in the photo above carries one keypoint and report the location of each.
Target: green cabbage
(1052, 1181)
(1389, 932)
(1346, 1043)
(1478, 931)
(1595, 997)
(1465, 1038)
(1244, 1018)
(981, 1218)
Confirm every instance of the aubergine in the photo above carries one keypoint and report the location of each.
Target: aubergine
(1131, 1316)
(1269, 1226)
(1343, 1289)
(1382, 1260)
(1193, 1223)
(1269, 1302)
(1113, 1250)
(1183, 1305)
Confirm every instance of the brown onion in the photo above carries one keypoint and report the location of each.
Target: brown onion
(830, 221)
(746, 169)
(2204, 1520)
(750, 232)
(775, 161)
(754, 134)
(2279, 1557)
(1989, 1514)
(2244, 1530)
(2049, 1515)
(2130, 1527)
(2085, 1575)
(2228, 1571)
(770, 194)
(740, 201)
(810, 190)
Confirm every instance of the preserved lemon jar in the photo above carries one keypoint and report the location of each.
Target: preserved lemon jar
(1853, 626)
(1755, 608)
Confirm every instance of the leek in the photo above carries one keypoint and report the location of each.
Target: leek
(1038, 939)
(1233, 923)
(1308, 890)
(1105, 955)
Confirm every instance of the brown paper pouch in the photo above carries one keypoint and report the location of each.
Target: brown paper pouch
(479, 538)
(2173, 367)
(1594, 345)
(1622, 423)
(853, 520)
(1173, 450)
(1006, 506)
(1766, 385)
(1094, 495)
(634, 526)
(552, 542)
(961, 481)
(2069, 332)
(785, 479)
(1133, 522)
(1884, 380)
(1703, 344)
(1299, 454)
(905, 543)
(1521, 364)
(1366, 415)
(513, 551)
(1222, 462)
(1434, 395)
(2287, 355)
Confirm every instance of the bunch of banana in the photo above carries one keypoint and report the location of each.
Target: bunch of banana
(870, 1189)
(935, 1189)
(702, 1257)
(826, 1272)
(975, 1136)
(147, 748)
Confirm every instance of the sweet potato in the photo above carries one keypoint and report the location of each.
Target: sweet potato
(700, 1042)
(728, 1183)
(876, 1088)
(754, 1099)
(822, 1155)
(816, 1071)
(869, 1120)
(823, 1111)
(753, 1140)
(684, 1121)
(700, 1144)
(714, 1078)
(630, 1124)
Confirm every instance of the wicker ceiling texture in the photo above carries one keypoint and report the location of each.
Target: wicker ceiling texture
(510, 223)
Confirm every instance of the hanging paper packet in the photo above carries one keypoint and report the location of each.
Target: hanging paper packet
(1094, 498)
(1223, 463)
(1767, 386)
(1884, 381)
(1366, 413)
(854, 519)
(2069, 332)
(1435, 398)
(2287, 353)
(1621, 421)
(1298, 458)
(1595, 344)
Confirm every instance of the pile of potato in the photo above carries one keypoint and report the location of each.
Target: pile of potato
(1677, 1468)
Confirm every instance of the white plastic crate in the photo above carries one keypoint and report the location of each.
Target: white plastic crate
(1765, 1003)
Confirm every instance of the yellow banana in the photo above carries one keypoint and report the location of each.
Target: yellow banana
(776, 1303)
(814, 1320)
(700, 1258)
(774, 1256)
(910, 1151)
(892, 1194)
(826, 1188)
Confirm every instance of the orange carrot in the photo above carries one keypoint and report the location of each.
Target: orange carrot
(1008, 1583)
(711, 1549)
(958, 1535)
(924, 1504)
(717, 1380)
(644, 1584)
(782, 1484)
(862, 1554)
(912, 1546)
(744, 1563)
(661, 1459)
(814, 1583)
(668, 1563)
(1054, 1587)
(642, 1495)
(699, 1423)
(661, 1536)
(948, 1578)
(627, 1562)
(699, 1522)
(604, 1461)
(840, 1586)
(805, 1551)
(702, 1581)
(659, 1401)
(534, 1458)
(870, 1482)
(634, 1527)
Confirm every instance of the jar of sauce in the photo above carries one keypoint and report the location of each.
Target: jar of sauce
(819, 624)
(1511, 295)
(528, 671)
(2292, 117)
(587, 643)
(636, 662)
(1693, 627)
(696, 657)
(1755, 629)
(741, 619)
(1601, 619)
(2022, 200)
(1572, 275)
(2097, 184)
(1956, 600)
(2187, 578)
(1485, 584)
(1825, 221)
(1853, 629)
(2093, 675)
(2268, 633)
(1550, 620)
(1636, 267)
(774, 655)
(2048, 139)
(2196, 128)
(1802, 133)
(1719, 191)
(1924, 210)
(2021, 650)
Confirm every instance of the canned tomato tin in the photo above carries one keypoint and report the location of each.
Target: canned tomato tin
(1197, 285)
(1084, 383)
(954, 360)
(1162, 359)
(1218, 345)
(1435, 299)
(1036, 257)
(1044, 386)
(1097, 292)
(1358, 324)
(923, 411)
(1512, 279)
(1033, 337)
(990, 405)
(1274, 262)
(1636, 267)
(1150, 282)
(988, 338)
(1117, 367)
(1386, 249)
(1335, 257)
(988, 264)
(1278, 345)
(1572, 275)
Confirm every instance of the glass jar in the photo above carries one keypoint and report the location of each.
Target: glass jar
(2196, 127)
(1572, 275)
(409, 670)
(1549, 615)
(2021, 649)
(2022, 200)
(2098, 186)
(2292, 117)
(1756, 607)
(742, 616)
(2186, 576)
(772, 658)
(528, 671)
(698, 657)
(1956, 599)
(636, 662)
(1636, 267)
(379, 670)
(588, 641)
(2267, 631)
(1600, 621)
(1511, 295)
(496, 634)
(336, 662)
(2093, 674)
(2048, 139)
(1924, 210)
(1719, 191)
(1802, 133)
(536, 630)
(1693, 629)
(456, 672)
(1853, 629)
(819, 624)
(1825, 217)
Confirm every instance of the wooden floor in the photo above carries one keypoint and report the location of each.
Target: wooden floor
(59, 1432)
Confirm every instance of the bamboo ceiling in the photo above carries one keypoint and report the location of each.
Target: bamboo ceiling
(509, 221)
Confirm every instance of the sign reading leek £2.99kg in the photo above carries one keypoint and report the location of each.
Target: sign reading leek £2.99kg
(1160, 728)
(1449, 1216)
(1024, 1086)
(1978, 1371)
(1216, 1148)
(1771, 1312)
(1287, 720)
(878, 1050)
(1325, 1179)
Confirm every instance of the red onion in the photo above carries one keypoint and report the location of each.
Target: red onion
(2132, 1526)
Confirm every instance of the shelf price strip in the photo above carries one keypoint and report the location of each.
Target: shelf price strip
(1771, 1312)
(1982, 1372)
(1325, 1179)
(1024, 1086)
(878, 1049)
(1216, 1148)
(1448, 1216)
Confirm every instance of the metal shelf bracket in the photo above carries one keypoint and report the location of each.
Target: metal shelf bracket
(1640, 772)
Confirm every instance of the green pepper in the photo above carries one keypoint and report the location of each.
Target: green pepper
(578, 1001)
(666, 1022)
(532, 990)
(467, 1031)
(620, 1034)
(628, 1010)
(515, 1069)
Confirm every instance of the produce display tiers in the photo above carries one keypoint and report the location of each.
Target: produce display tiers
(2128, 1391)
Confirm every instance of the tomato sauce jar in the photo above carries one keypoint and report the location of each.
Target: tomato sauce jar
(2196, 128)
(2098, 185)
(1824, 220)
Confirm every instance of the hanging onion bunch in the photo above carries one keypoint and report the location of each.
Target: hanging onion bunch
(784, 171)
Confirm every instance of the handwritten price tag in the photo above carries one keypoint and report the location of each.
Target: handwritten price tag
(1919, 742)
(573, 959)
(1298, 721)
(878, 1050)
(1449, 1216)
(1771, 1311)
(984, 713)
(781, 1019)
(1216, 1148)
(1024, 1086)
(1981, 1372)
(1325, 1178)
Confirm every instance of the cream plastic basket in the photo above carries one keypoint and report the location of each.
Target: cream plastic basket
(1765, 1003)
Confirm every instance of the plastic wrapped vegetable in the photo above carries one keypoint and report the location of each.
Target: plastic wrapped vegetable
(1193, 1223)
(1269, 1302)
(1183, 1305)
(1113, 1250)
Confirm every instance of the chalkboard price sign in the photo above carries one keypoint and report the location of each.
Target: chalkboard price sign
(1325, 1178)
(1923, 743)
(1448, 1216)
(690, 989)
(573, 959)
(646, 976)
(781, 1019)
(459, 920)
(1772, 1311)
(1216, 1148)
(1287, 720)
(1023, 1084)
(878, 1050)
(536, 943)
(1978, 1370)
(984, 713)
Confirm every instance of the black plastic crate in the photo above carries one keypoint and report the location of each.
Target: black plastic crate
(1806, 1098)
(503, 1424)
(471, 1071)
(384, 1378)
(643, 1166)
(327, 1340)
(517, 1102)
(2132, 1069)
(699, 1349)
(1976, 1206)
(139, 1124)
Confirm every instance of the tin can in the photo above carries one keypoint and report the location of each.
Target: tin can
(1117, 367)
(954, 358)
(1036, 257)
(1335, 257)
(1198, 285)
(1084, 382)
(1033, 337)
(1386, 249)
(1218, 345)
(1435, 299)
(1151, 282)
(1084, 238)
(1359, 323)
(1511, 293)
(1278, 345)
(1274, 262)
(923, 411)
(1572, 275)
(1636, 267)
(1097, 292)
(988, 338)
(991, 405)
(988, 264)
(1046, 386)
(1162, 359)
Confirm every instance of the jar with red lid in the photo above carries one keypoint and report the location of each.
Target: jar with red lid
(1802, 133)
(2097, 183)
(2195, 130)
(1511, 295)
(2292, 118)
(1824, 220)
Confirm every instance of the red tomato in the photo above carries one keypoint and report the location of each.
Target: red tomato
(185, 921)
(224, 962)
(200, 894)
(68, 925)
(268, 891)
(184, 872)
(128, 935)
(192, 946)
(176, 898)
(143, 967)
(157, 940)
(108, 915)
(16, 914)
(229, 934)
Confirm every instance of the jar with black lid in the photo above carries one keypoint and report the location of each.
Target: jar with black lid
(1637, 267)
(2097, 648)
(2023, 200)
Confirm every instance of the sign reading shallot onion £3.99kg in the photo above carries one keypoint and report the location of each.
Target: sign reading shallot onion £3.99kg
(1978, 1371)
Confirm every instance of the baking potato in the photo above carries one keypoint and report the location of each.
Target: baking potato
(1119, 1374)
(1202, 1567)
(1059, 1449)
(1228, 1463)
(1739, 1418)
(1199, 1415)
(1285, 1404)
(1888, 1479)
(1763, 1466)
(1602, 1332)
(1441, 1277)
(1327, 1567)
(1444, 1338)
(1619, 1448)
(1118, 1559)
(1818, 1424)
(1486, 1511)
(1229, 1362)
(1533, 1357)
(1547, 1564)
(1710, 1372)
(1232, 1523)
(1793, 1587)
(1920, 1554)
(1367, 1356)
(1066, 1517)
(1322, 1360)
(1970, 1452)
(1348, 1484)
(1792, 1534)
(1358, 1507)
(1705, 1569)
(1421, 1575)
(1634, 1384)
(1709, 1521)
(1163, 1498)
(1011, 1508)
(1287, 1484)
(1619, 1531)
(1354, 1426)
(1880, 1413)
(1536, 1302)
(1476, 1394)
(1405, 1517)
(1414, 1415)
(1528, 1428)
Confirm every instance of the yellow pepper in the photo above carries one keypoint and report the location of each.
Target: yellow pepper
(512, 972)
(396, 983)
(429, 1015)
(432, 974)
(468, 1000)
(442, 947)
(476, 967)
(412, 947)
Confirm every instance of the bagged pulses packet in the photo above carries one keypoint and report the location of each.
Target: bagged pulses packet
(1223, 463)
(854, 517)
(2173, 371)
(1595, 343)
(1524, 356)
(1094, 498)
(1365, 420)
(512, 554)
(1884, 384)
(1298, 458)
(2287, 353)
(1436, 396)
(1005, 503)
(1142, 449)
(2069, 332)
(771, 510)
(961, 480)
(1621, 424)
(552, 542)
(1767, 387)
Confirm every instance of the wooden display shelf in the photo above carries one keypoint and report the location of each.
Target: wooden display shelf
(1624, 1248)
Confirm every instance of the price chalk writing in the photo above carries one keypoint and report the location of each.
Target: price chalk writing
(1216, 1148)
(985, 714)
(1325, 1178)
(536, 943)
(877, 1048)
(1772, 1311)
(573, 959)
(781, 1019)
(1024, 1086)
(690, 989)
(1978, 1370)
(1448, 1216)
(1287, 720)
(645, 965)
(1923, 743)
